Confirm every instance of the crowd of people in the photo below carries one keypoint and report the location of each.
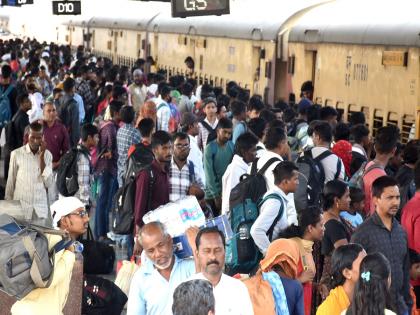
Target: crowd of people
(350, 244)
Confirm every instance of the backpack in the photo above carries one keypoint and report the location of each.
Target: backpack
(212, 132)
(5, 109)
(65, 113)
(356, 181)
(9, 132)
(311, 179)
(67, 176)
(25, 261)
(174, 118)
(101, 297)
(124, 199)
(242, 255)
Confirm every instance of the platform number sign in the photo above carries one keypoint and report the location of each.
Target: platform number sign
(184, 8)
(16, 3)
(67, 8)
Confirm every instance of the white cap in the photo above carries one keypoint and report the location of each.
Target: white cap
(45, 54)
(63, 207)
(35, 114)
(152, 88)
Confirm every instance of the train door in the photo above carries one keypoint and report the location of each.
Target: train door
(155, 51)
(115, 46)
(138, 46)
(310, 65)
(256, 69)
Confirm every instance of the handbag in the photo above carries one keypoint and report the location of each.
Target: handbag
(102, 297)
(125, 274)
(98, 257)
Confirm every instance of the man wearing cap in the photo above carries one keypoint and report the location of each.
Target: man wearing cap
(189, 125)
(69, 214)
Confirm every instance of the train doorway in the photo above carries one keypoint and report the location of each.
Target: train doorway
(310, 65)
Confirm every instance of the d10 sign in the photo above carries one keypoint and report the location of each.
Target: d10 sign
(184, 8)
(67, 7)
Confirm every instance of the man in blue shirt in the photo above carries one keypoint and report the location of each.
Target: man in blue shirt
(153, 284)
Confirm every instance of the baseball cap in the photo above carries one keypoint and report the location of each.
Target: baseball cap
(63, 207)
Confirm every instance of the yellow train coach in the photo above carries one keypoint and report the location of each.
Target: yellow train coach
(362, 56)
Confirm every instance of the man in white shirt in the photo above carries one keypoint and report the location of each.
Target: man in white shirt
(189, 125)
(273, 218)
(231, 295)
(277, 147)
(322, 136)
(163, 110)
(245, 153)
(30, 173)
(161, 272)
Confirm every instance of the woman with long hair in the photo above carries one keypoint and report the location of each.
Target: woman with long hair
(310, 229)
(336, 198)
(345, 263)
(371, 295)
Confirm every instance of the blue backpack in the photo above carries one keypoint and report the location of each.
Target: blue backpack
(5, 110)
(242, 255)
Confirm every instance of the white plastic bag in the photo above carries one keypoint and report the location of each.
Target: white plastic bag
(3, 138)
(125, 275)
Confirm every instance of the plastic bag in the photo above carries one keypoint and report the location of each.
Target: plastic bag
(125, 275)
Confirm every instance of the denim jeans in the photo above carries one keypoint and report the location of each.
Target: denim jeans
(108, 187)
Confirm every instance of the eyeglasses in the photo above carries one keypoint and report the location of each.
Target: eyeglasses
(81, 214)
(182, 146)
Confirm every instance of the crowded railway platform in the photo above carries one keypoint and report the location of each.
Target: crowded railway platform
(159, 165)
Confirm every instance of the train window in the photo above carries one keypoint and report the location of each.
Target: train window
(201, 62)
(353, 108)
(109, 45)
(392, 119)
(408, 122)
(231, 50)
(231, 68)
(121, 34)
(291, 65)
(378, 121)
(328, 102)
(185, 41)
(341, 110)
(268, 69)
(318, 100)
(112, 33)
(366, 111)
(205, 43)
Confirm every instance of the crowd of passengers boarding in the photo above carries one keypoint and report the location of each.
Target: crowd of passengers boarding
(332, 220)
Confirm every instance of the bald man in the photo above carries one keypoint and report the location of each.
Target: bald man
(137, 90)
(154, 283)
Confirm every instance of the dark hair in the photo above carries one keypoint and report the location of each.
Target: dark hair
(115, 107)
(208, 230)
(357, 118)
(160, 137)
(313, 113)
(356, 195)
(358, 132)
(281, 105)
(255, 103)
(386, 139)
(371, 294)
(193, 297)
(327, 112)
(243, 95)
(146, 126)
(411, 152)
(289, 115)
(307, 86)
(379, 185)
(224, 123)
(273, 137)
(127, 114)
(238, 108)
(323, 130)
(333, 189)
(6, 71)
(222, 100)
(284, 170)
(342, 132)
(117, 91)
(307, 217)
(268, 115)
(36, 126)
(181, 136)
(187, 89)
(343, 258)
(245, 142)
(165, 90)
(68, 85)
(88, 130)
(21, 97)
(257, 126)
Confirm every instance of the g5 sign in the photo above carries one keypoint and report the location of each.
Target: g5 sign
(184, 8)
(67, 8)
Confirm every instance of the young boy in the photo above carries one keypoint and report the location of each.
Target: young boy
(207, 127)
(357, 204)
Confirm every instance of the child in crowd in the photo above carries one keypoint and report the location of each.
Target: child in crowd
(357, 205)
(207, 127)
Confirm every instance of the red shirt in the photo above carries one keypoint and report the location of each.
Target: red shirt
(159, 194)
(410, 221)
(368, 180)
(57, 139)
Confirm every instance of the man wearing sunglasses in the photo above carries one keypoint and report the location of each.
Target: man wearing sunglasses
(69, 214)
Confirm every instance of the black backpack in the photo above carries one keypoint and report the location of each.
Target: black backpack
(124, 199)
(101, 297)
(67, 184)
(311, 179)
(212, 132)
